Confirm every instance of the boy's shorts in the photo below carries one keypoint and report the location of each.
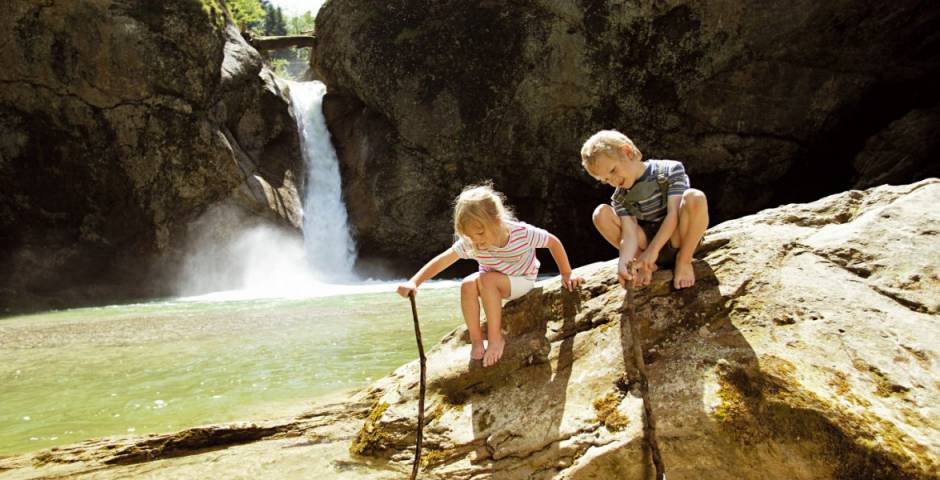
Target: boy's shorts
(667, 254)
(519, 286)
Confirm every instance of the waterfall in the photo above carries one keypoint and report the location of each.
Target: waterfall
(330, 250)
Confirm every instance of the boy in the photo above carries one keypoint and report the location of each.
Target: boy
(654, 216)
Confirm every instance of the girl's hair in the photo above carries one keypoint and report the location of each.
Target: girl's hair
(479, 205)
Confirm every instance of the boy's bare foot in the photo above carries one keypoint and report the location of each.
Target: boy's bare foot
(476, 351)
(684, 276)
(494, 350)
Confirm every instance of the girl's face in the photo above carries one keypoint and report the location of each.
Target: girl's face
(485, 235)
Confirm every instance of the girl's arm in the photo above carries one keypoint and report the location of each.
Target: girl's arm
(561, 259)
(428, 271)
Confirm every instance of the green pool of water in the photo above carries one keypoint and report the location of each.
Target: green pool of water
(77, 374)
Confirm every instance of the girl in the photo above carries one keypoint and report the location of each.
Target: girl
(504, 247)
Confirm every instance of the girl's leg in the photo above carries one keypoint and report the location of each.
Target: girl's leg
(470, 306)
(493, 288)
(693, 221)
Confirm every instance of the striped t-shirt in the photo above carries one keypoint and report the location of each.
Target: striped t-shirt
(652, 208)
(516, 259)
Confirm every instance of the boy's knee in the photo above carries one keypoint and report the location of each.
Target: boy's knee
(604, 213)
(695, 199)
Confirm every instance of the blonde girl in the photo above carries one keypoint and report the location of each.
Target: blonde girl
(504, 247)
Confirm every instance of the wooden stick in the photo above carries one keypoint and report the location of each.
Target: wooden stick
(649, 422)
(423, 361)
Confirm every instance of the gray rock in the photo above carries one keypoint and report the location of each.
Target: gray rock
(765, 103)
(120, 122)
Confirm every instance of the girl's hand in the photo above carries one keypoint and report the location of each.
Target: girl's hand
(407, 289)
(571, 281)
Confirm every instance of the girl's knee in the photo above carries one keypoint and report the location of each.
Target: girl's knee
(488, 280)
(469, 285)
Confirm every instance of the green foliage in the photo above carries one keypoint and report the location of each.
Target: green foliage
(301, 24)
(274, 23)
(279, 65)
(247, 14)
(270, 20)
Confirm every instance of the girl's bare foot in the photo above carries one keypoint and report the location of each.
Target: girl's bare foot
(494, 350)
(476, 351)
(684, 276)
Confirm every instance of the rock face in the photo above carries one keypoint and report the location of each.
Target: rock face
(807, 349)
(119, 123)
(765, 104)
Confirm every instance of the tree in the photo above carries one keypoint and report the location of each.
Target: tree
(301, 24)
(247, 14)
(280, 26)
(269, 19)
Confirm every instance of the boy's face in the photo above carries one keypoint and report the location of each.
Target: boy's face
(614, 171)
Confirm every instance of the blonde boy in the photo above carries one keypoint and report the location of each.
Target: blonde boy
(654, 216)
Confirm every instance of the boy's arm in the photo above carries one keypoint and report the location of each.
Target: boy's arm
(561, 259)
(428, 271)
(628, 246)
(666, 229)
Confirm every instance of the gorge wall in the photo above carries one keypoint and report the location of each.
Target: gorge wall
(120, 122)
(766, 103)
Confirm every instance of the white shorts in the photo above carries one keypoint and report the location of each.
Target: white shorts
(519, 286)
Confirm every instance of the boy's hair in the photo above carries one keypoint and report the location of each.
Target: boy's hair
(479, 205)
(604, 143)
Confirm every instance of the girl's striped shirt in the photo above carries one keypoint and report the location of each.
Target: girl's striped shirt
(515, 259)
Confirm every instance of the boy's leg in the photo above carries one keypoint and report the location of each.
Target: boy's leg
(493, 288)
(470, 306)
(693, 221)
(608, 223)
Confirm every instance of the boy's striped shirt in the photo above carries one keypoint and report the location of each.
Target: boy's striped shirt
(515, 259)
(652, 208)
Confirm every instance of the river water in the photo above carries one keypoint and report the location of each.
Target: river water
(157, 367)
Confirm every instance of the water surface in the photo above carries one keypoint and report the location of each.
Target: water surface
(77, 374)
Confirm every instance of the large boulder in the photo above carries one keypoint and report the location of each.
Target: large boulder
(119, 123)
(765, 103)
(807, 349)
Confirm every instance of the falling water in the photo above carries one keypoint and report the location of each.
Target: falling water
(331, 252)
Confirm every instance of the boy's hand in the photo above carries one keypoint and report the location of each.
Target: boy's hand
(571, 281)
(643, 277)
(407, 289)
(626, 272)
(646, 260)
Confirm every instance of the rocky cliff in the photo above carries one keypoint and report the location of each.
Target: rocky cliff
(765, 102)
(121, 121)
(807, 349)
